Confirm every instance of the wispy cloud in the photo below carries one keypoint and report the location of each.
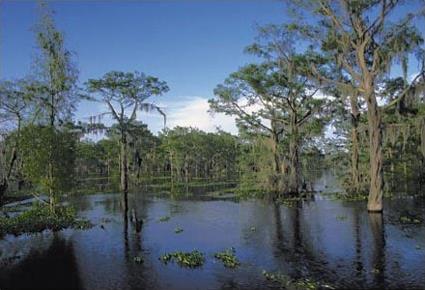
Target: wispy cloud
(193, 112)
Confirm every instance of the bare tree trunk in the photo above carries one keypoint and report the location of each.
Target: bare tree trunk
(275, 149)
(355, 118)
(124, 170)
(3, 187)
(186, 170)
(276, 183)
(171, 170)
(5, 181)
(294, 174)
(375, 146)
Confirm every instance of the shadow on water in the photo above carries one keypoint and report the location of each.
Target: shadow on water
(54, 268)
(334, 242)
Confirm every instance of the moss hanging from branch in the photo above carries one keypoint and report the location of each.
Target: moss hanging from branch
(420, 126)
(391, 134)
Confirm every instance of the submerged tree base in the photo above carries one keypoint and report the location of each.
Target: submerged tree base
(40, 218)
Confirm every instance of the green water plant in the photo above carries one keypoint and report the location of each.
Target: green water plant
(297, 284)
(184, 259)
(341, 217)
(228, 258)
(178, 230)
(408, 219)
(164, 219)
(39, 218)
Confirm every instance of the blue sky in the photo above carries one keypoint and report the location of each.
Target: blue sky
(193, 45)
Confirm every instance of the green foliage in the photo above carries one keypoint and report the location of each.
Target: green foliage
(40, 218)
(48, 158)
(275, 101)
(407, 219)
(192, 259)
(164, 219)
(228, 258)
(54, 87)
(341, 217)
(191, 154)
(301, 284)
(178, 230)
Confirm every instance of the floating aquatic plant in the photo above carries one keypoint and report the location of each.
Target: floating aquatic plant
(298, 284)
(341, 217)
(178, 230)
(164, 218)
(185, 259)
(228, 258)
(410, 220)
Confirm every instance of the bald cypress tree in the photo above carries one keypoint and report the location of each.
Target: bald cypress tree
(365, 38)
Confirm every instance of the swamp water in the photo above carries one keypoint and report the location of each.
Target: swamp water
(333, 242)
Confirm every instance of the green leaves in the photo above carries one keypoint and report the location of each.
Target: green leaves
(127, 87)
(192, 259)
(228, 258)
(40, 218)
(48, 157)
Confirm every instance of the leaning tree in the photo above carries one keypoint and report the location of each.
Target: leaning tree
(125, 95)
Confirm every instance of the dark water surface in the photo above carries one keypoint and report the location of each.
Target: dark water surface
(334, 242)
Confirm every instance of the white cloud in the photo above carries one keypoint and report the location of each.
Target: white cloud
(190, 112)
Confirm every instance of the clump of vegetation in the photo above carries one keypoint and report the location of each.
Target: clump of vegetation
(164, 219)
(185, 259)
(347, 196)
(341, 217)
(293, 201)
(40, 218)
(407, 219)
(178, 230)
(138, 260)
(228, 258)
(301, 284)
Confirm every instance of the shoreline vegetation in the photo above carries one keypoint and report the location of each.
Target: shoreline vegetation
(40, 218)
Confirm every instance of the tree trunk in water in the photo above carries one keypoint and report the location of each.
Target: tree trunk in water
(355, 118)
(124, 170)
(51, 192)
(277, 167)
(375, 146)
(276, 183)
(294, 176)
(3, 188)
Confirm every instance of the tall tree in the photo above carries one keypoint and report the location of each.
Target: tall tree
(282, 91)
(365, 42)
(55, 73)
(126, 94)
(54, 90)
